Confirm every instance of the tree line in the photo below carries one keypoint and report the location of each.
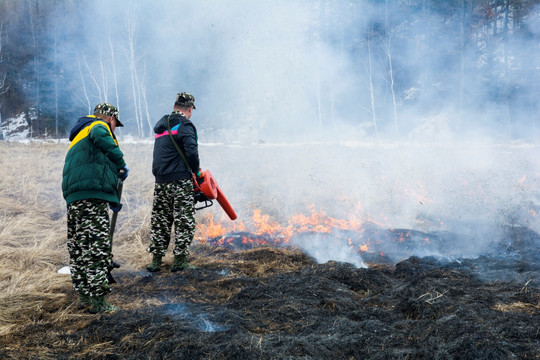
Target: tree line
(44, 74)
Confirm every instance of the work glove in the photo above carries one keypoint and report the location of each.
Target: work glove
(115, 207)
(123, 173)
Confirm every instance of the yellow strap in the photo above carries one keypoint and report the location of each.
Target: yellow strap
(86, 131)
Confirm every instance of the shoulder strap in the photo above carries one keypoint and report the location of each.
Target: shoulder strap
(178, 147)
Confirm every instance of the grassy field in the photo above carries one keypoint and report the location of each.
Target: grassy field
(33, 221)
(33, 229)
(275, 190)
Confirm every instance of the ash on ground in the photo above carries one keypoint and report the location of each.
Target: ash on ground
(279, 303)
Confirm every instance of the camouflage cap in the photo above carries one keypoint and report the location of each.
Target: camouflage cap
(108, 109)
(185, 99)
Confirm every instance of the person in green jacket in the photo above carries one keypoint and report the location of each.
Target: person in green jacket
(93, 164)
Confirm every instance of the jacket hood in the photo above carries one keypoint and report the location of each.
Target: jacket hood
(161, 125)
(81, 124)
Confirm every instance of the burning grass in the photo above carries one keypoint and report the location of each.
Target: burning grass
(254, 302)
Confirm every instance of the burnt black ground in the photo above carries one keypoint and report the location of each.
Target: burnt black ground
(226, 308)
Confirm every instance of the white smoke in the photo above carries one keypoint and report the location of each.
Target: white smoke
(302, 70)
(303, 89)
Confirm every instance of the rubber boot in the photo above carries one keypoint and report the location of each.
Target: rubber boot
(155, 265)
(99, 304)
(180, 263)
(84, 301)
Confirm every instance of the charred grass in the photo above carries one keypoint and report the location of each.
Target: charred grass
(261, 303)
(294, 308)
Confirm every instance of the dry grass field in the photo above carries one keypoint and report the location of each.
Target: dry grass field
(33, 230)
(32, 234)
(33, 225)
(267, 303)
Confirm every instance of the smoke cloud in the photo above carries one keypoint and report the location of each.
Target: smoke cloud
(331, 70)
(393, 111)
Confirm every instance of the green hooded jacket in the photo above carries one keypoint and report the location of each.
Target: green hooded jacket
(92, 162)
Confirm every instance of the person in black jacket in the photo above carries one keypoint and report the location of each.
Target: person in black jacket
(173, 191)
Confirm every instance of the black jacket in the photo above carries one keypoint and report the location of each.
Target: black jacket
(167, 165)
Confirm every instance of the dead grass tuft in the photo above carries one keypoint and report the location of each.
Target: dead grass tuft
(257, 262)
(518, 307)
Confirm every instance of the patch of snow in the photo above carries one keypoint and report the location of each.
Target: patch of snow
(65, 270)
(16, 129)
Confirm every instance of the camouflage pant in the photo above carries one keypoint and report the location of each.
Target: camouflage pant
(173, 203)
(89, 246)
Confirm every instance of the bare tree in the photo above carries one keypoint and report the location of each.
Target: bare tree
(56, 109)
(1, 38)
(388, 50)
(371, 89)
(86, 98)
(145, 101)
(461, 56)
(317, 39)
(94, 78)
(3, 86)
(506, 9)
(138, 87)
(34, 18)
(103, 75)
(113, 62)
(130, 27)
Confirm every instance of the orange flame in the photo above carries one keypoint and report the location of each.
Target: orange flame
(262, 224)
